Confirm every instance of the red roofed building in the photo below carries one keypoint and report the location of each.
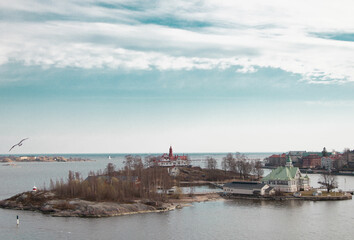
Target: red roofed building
(170, 160)
(276, 160)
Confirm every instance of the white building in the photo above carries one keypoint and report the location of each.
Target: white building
(248, 188)
(171, 160)
(173, 163)
(287, 179)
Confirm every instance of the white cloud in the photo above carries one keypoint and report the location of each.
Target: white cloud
(250, 35)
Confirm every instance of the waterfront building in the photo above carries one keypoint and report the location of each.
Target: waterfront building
(296, 157)
(327, 163)
(170, 160)
(338, 161)
(311, 161)
(276, 160)
(348, 159)
(287, 179)
(248, 188)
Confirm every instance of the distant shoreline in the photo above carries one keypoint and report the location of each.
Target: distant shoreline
(12, 159)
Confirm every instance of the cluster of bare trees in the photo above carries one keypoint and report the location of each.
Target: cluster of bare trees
(133, 181)
(239, 163)
(328, 181)
(211, 163)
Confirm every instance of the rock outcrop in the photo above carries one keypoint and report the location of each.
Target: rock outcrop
(46, 202)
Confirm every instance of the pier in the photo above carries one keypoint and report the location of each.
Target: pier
(218, 185)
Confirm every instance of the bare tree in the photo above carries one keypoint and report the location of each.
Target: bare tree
(243, 166)
(224, 165)
(150, 161)
(328, 180)
(246, 168)
(258, 170)
(211, 163)
(229, 163)
(110, 169)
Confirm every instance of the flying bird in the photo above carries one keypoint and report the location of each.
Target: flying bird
(18, 144)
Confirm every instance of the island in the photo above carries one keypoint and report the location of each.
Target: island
(149, 187)
(133, 189)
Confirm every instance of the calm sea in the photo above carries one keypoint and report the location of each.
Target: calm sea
(231, 219)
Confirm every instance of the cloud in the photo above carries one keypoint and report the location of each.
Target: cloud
(209, 35)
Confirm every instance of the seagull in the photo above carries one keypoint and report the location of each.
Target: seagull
(18, 144)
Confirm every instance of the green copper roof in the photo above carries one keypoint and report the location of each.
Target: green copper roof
(282, 173)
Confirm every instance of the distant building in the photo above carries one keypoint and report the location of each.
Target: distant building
(311, 161)
(276, 160)
(349, 158)
(170, 160)
(296, 157)
(287, 179)
(338, 160)
(248, 188)
(327, 163)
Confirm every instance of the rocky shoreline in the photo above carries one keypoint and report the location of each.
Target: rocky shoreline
(46, 202)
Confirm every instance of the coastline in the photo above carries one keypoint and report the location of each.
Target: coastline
(347, 196)
(47, 203)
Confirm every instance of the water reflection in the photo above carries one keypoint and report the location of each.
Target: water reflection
(264, 203)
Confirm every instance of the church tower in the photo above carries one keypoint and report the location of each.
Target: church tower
(289, 162)
(170, 155)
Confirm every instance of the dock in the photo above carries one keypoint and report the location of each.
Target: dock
(218, 185)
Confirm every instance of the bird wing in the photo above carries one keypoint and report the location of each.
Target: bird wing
(12, 147)
(22, 140)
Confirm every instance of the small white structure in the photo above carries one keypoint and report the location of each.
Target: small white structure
(174, 171)
(34, 189)
(248, 188)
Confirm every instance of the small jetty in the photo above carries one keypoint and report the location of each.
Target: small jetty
(218, 185)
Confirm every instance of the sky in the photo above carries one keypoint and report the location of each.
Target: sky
(202, 76)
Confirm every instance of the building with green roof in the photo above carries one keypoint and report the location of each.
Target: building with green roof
(287, 179)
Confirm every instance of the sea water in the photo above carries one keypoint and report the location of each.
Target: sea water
(224, 219)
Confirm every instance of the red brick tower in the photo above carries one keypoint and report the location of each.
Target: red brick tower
(170, 155)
